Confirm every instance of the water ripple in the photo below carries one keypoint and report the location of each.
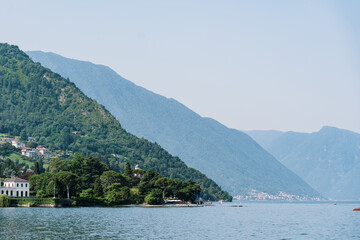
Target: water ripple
(255, 221)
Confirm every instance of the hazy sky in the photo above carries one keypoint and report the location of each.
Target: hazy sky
(286, 65)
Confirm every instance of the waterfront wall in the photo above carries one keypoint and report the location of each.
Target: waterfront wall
(40, 202)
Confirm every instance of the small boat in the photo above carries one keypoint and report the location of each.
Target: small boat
(356, 209)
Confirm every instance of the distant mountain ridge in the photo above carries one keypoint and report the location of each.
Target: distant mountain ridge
(329, 160)
(228, 156)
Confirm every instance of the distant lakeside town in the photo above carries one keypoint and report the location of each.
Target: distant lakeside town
(254, 195)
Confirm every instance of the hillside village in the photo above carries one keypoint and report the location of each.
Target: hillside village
(38, 151)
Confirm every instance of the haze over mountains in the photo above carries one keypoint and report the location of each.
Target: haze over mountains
(329, 160)
(230, 157)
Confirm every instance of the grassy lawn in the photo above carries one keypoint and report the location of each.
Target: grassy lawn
(21, 159)
(4, 135)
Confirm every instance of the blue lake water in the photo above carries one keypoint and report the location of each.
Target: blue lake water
(253, 221)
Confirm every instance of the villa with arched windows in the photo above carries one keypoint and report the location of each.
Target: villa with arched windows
(15, 187)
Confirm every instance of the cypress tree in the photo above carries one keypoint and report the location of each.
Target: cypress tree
(37, 168)
(128, 170)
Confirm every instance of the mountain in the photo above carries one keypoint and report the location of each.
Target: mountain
(329, 160)
(228, 156)
(37, 102)
(264, 138)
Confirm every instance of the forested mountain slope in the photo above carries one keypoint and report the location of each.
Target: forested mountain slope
(53, 110)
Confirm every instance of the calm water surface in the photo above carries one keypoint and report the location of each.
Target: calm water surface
(253, 221)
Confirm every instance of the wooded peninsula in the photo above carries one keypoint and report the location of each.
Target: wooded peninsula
(88, 181)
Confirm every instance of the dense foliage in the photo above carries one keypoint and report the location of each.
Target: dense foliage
(7, 149)
(4, 200)
(37, 102)
(91, 181)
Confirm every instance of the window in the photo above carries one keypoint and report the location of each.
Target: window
(21, 185)
(17, 185)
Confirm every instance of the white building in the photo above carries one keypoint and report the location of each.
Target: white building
(29, 152)
(15, 187)
(17, 144)
(44, 152)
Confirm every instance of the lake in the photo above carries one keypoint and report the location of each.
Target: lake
(256, 220)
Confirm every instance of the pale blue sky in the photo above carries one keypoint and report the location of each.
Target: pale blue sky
(286, 65)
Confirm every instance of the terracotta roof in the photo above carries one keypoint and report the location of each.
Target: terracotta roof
(16, 180)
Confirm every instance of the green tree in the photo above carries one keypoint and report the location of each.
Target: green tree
(128, 170)
(189, 192)
(154, 197)
(117, 193)
(57, 165)
(147, 181)
(88, 169)
(134, 193)
(41, 166)
(40, 194)
(163, 183)
(108, 178)
(67, 179)
(42, 184)
(87, 193)
(98, 190)
(4, 200)
(125, 193)
(66, 138)
(36, 168)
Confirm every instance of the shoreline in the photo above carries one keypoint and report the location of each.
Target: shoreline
(116, 206)
(54, 205)
(162, 205)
